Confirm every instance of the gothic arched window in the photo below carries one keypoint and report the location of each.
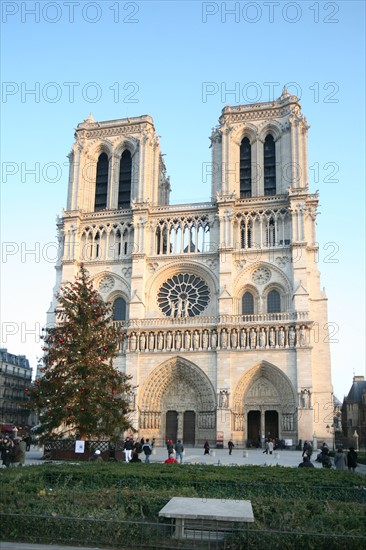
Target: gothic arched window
(273, 302)
(246, 234)
(101, 184)
(125, 175)
(248, 304)
(119, 310)
(245, 168)
(269, 165)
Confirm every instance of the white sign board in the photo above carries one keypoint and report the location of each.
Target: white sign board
(79, 446)
(288, 442)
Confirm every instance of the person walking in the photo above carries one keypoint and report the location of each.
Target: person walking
(6, 451)
(231, 446)
(179, 449)
(206, 446)
(340, 460)
(270, 446)
(147, 450)
(352, 459)
(128, 445)
(170, 447)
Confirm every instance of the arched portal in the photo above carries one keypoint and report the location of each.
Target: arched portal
(264, 405)
(178, 389)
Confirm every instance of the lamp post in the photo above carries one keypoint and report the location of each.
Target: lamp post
(330, 430)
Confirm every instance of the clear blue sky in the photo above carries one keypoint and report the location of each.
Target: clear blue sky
(120, 59)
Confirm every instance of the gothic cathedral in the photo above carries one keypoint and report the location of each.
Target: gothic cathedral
(224, 320)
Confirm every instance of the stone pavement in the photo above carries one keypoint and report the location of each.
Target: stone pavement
(239, 457)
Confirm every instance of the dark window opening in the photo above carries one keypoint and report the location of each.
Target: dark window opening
(273, 302)
(248, 304)
(101, 186)
(245, 168)
(119, 310)
(269, 164)
(125, 174)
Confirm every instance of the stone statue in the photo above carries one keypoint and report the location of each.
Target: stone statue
(160, 341)
(172, 306)
(169, 341)
(133, 342)
(281, 337)
(214, 339)
(205, 339)
(272, 338)
(302, 337)
(291, 337)
(142, 342)
(253, 338)
(196, 340)
(262, 338)
(178, 340)
(243, 338)
(180, 307)
(151, 341)
(224, 339)
(187, 340)
(234, 339)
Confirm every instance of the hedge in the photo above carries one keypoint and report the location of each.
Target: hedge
(99, 503)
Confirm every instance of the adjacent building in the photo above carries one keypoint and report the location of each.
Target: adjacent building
(224, 318)
(15, 376)
(354, 411)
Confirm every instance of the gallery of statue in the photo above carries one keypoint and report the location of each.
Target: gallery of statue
(224, 320)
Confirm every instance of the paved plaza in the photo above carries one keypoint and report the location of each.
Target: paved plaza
(239, 457)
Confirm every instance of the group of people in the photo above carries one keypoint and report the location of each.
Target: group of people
(12, 451)
(174, 452)
(341, 460)
(133, 449)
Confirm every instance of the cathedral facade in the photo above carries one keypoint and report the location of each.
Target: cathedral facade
(223, 318)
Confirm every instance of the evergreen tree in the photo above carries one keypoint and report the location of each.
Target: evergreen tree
(80, 392)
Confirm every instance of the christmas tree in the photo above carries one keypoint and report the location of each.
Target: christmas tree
(81, 394)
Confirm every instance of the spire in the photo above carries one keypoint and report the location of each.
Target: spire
(90, 119)
(285, 94)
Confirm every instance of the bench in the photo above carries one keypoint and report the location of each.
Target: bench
(206, 519)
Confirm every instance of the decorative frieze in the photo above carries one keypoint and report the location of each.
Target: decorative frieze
(218, 338)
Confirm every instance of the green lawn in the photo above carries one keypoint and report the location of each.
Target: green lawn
(103, 503)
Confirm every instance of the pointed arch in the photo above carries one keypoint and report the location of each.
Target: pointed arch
(176, 369)
(270, 374)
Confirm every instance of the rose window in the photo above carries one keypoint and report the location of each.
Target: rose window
(183, 295)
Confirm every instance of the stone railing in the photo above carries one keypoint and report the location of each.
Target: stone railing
(275, 334)
(200, 321)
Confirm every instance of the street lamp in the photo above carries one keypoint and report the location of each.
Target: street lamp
(330, 430)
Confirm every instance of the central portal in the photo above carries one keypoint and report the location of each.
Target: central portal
(254, 428)
(189, 427)
(171, 426)
(271, 424)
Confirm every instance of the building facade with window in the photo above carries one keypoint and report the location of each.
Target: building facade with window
(15, 377)
(354, 411)
(224, 320)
